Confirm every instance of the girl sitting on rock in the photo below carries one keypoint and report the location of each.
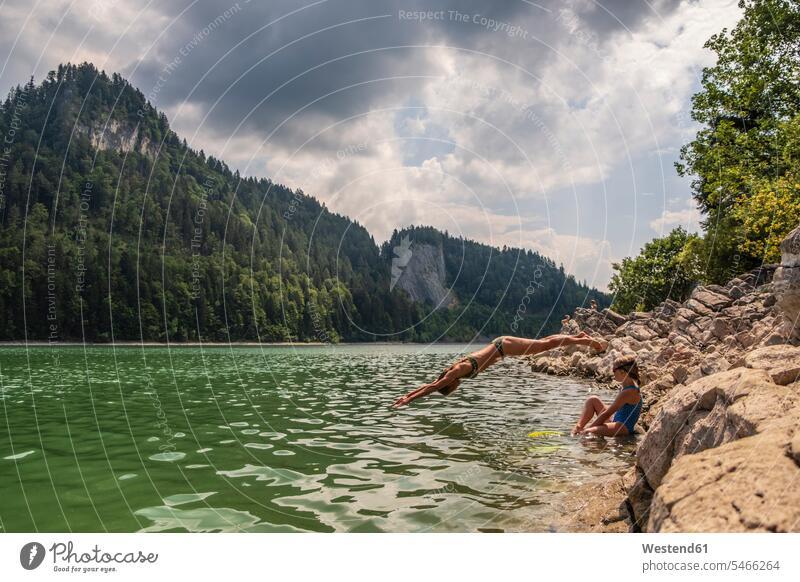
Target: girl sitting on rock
(625, 409)
(470, 365)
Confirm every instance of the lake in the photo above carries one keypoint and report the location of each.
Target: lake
(283, 439)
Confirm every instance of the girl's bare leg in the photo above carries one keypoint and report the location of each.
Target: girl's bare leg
(609, 429)
(593, 406)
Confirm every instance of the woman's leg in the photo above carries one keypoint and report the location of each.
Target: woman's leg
(520, 346)
(581, 339)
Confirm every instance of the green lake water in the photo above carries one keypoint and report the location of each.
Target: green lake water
(284, 439)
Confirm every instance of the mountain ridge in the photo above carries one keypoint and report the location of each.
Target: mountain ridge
(171, 244)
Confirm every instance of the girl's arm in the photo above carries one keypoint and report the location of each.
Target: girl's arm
(624, 397)
(453, 374)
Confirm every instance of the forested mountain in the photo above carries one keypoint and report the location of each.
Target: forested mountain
(112, 228)
(507, 291)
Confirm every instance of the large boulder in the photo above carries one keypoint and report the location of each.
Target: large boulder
(638, 331)
(786, 283)
(709, 412)
(597, 322)
(749, 485)
(613, 316)
(598, 506)
(712, 297)
(781, 362)
(698, 308)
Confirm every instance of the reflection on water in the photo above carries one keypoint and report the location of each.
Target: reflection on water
(283, 439)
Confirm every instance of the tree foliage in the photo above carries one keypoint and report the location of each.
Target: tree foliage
(744, 158)
(661, 271)
(749, 106)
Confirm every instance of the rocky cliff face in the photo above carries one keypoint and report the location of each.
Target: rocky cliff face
(117, 136)
(422, 275)
(721, 414)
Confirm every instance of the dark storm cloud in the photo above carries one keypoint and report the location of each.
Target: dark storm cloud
(356, 35)
(606, 17)
(204, 31)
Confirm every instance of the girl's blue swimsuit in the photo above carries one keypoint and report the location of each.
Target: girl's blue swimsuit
(628, 414)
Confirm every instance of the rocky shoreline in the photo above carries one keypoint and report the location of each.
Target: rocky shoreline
(720, 449)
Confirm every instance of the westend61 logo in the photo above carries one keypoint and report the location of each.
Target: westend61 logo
(65, 559)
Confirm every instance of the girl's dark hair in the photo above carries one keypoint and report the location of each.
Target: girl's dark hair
(629, 365)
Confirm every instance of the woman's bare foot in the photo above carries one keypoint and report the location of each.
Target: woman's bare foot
(584, 339)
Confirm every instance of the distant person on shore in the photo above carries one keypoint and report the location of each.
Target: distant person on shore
(569, 326)
(470, 365)
(625, 409)
(593, 305)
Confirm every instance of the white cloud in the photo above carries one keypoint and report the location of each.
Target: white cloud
(688, 217)
(415, 126)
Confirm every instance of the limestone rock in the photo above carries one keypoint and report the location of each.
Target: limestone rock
(721, 328)
(748, 485)
(787, 283)
(736, 292)
(713, 297)
(709, 412)
(686, 314)
(598, 506)
(614, 317)
(781, 362)
(637, 330)
(714, 364)
(640, 496)
(721, 385)
(790, 249)
(745, 339)
(774, 339)
(652, 393)
(423, 277)
(680, 374)
(698, 308)
(589, 366)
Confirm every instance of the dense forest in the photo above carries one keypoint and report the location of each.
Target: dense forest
(112, 228)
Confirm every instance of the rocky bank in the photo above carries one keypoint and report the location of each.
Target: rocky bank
(720, 449)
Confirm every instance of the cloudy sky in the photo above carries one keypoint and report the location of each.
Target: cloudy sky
(551, 125)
